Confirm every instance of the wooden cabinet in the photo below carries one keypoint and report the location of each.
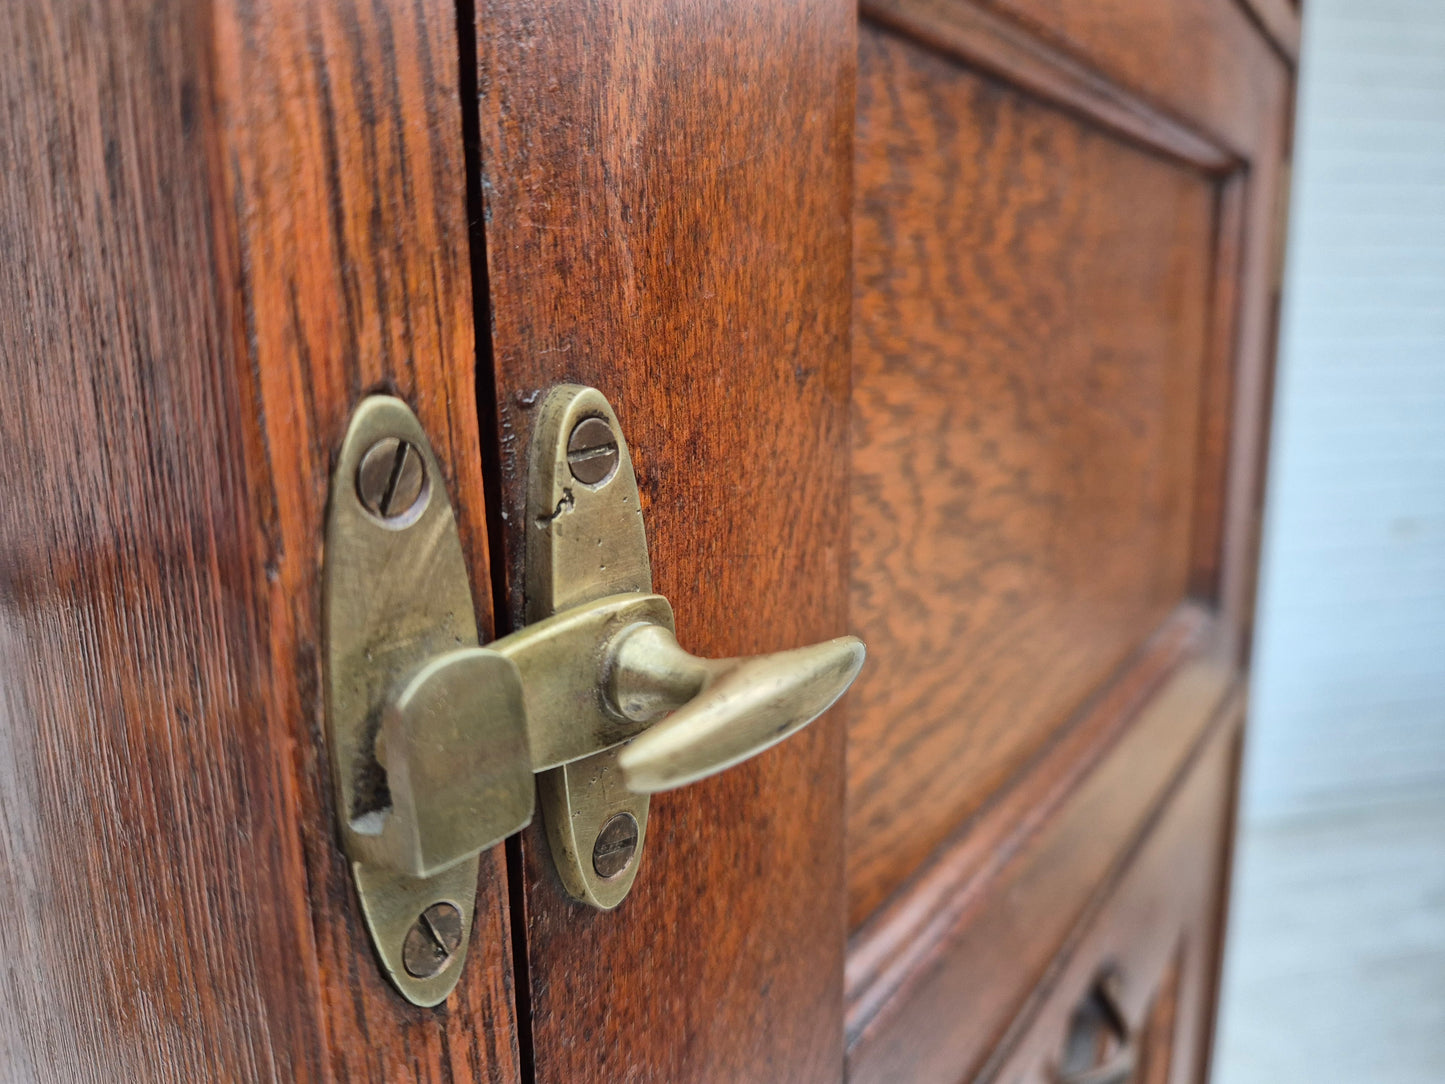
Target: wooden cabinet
(946, 322)
(1063, 243)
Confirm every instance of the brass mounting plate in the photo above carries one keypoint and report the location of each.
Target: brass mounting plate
(585, 541)
(396, 597)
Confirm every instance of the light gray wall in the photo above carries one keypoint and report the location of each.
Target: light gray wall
(1349, 702)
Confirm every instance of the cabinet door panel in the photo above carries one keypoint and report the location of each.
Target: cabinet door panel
(1065, 228)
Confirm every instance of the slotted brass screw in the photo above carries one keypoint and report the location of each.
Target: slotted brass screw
(432, 941)
(615, 846)
(391, 478)
(592, 451)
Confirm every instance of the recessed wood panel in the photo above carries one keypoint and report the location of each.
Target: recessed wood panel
(1031, 302)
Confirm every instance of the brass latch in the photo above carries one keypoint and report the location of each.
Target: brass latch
(435, 740)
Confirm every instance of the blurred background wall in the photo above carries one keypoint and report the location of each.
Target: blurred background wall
(1336, 963)
(1350, 663)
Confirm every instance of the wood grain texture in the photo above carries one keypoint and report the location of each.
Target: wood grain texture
(223, 225)
(344, 168)
(995, 44)
(667, 204)
(1209, 63)
(1156, 926)
(1031, 302)
(954, 1012)
(916, 964)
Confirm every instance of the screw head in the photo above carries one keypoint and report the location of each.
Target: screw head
(615, 846)
(592, 452)
(391, 481)
(432, 941)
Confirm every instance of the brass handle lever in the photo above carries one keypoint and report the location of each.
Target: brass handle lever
(723, 710)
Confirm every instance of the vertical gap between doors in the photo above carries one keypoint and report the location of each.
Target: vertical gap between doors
(487, 418)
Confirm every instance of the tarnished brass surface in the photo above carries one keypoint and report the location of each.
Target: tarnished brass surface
(435, 739)
(726, 710)
(427, 740)
(584, 543)
(456, 760)
(1101, 1014)
(392, 903)
(577, 800)
(562, 660)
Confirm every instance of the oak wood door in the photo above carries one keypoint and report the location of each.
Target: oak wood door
(947, 322)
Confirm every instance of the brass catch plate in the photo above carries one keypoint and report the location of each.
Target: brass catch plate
(419, 790)
(585, 541)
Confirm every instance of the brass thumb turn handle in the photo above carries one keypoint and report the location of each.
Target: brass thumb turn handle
(442, 746)
(723, 710)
